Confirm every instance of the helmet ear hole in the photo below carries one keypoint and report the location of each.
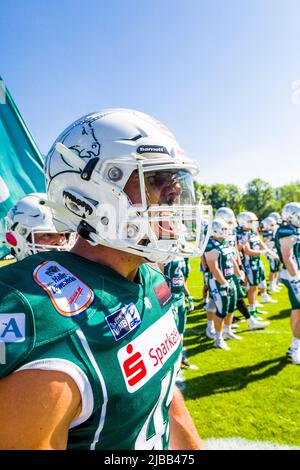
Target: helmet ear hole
(75, 202)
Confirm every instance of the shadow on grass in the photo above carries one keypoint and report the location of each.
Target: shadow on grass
(233, 379)
(197, 346)
(280, 315)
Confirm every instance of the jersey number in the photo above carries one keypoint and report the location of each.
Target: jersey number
(156, 416)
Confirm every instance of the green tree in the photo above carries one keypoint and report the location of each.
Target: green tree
(234, 198)
(219, 195)
(289, 193)
(259, 198)
(202, 191)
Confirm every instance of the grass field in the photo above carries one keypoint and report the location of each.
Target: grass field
(250, 392)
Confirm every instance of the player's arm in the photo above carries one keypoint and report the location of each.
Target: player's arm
(237, 270)
(186, 289)
(268, 250)
(237, 254)
(203, 262)
(249, 252)
(288, 255)
(212, 263)
(37, 407)
(183, 433)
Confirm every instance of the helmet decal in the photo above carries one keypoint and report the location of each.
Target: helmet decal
(90, 147)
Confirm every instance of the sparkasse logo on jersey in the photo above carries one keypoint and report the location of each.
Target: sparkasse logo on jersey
(143, 357)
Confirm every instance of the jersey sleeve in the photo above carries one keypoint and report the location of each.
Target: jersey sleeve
(284, 232)
(17, 329)
(210, 246)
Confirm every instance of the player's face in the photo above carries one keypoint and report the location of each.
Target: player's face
(52, 239)
(162, 188)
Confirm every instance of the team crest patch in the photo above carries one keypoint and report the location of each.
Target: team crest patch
(69, 295)
(123, 321)
(163, 294)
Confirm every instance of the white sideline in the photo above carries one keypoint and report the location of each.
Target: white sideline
(237, 443)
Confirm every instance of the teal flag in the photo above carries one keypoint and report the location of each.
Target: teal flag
(21, 162)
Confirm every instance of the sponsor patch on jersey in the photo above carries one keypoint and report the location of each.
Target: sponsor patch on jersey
(143, 357)
(163, 294)
(177, 281)
(123, 321)
(228, 271)
(12, 327)
(69, 295)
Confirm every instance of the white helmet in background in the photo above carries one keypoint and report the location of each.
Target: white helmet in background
(247, 220)
(220, 229)
(227, 214)
(91, 171)
(276, 216)
(269, 223)
(291, 213)
(27, 218)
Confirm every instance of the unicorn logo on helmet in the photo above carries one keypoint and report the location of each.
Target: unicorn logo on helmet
(87, 146)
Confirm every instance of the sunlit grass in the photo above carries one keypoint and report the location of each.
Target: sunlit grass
(252, 391)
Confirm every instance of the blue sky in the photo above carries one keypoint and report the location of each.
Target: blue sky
(219, 73)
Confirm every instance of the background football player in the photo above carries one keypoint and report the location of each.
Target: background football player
(221, 265)
(30, 228)
(228, 216)
(287, 241)
(269, 227)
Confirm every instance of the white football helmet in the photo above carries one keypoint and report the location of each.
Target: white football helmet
(226, 214)
(27, 218)
(119, 178)
(291, 213)
(247, 220)
(269, 223)
(276, 216)
(220, 229)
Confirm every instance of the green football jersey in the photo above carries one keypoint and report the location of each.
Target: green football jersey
(117, 339)
(252, 261)
(225, 260)
(174, 272)
(289, 231)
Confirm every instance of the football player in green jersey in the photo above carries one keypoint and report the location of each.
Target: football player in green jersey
(89, 339)
(252, 248)
(269, 228)
(30, 228)
(221, 265)
(174, 272)
(228, 216)
(287, 240)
